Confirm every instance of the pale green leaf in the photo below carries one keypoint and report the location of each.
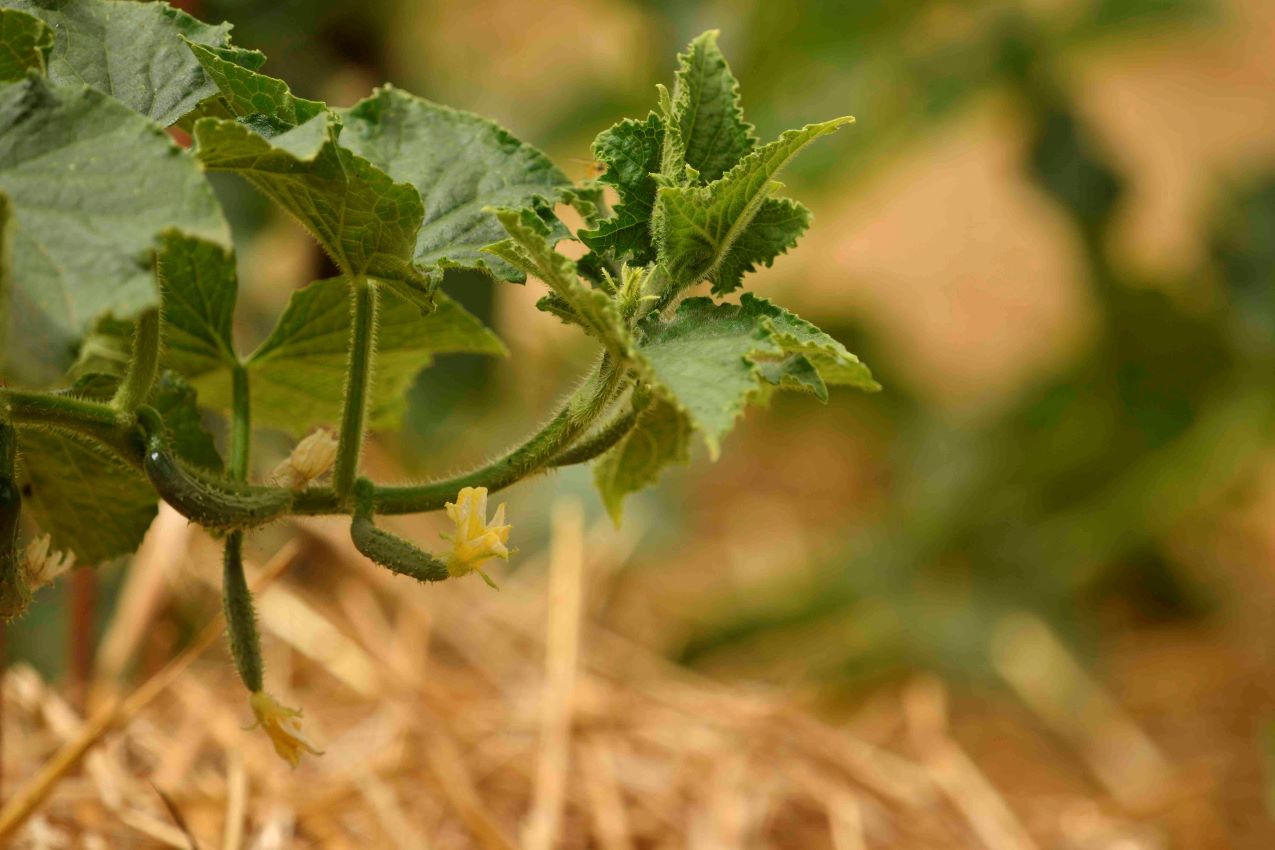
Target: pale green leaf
(85, 500)
(631, 152)
(701, 231)
(297, 376)
(661, 437)
(462, 165)
(529, 248)
(713, 360)
(198, 287)
(91, 185)
(25, 42)
(364, 220)
(713, 133)
(776, 227)
(132, 51)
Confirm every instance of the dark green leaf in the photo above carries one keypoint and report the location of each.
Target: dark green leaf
(198, 287)
(176, 403)
(86, 501)
(713, 133)
(132, 51)
(25, 42)
(245, 92)
(631, 152)
(661, 437)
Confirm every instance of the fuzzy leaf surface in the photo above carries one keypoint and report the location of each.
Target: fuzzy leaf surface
(713, 133)
(712, 360)
(92, 185)
(132, 51)
(461, 164)
(86, 501)
(701, 232)
(631, 151)
(364, 220)
(25, 42)
(245, 92)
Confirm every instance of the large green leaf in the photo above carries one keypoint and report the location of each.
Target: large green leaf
(631, 151)
(529, 248)
(132, 51)
(661, 437)
(198, 285)
(702, 232)
(712, 131)
(92, 184)
(25, 42)
(712, 360)
(86, 501)
(364, 220)
(462, 165)
(297, 376)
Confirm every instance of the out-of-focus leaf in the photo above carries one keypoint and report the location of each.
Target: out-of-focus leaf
(25, 42)
(660, 438)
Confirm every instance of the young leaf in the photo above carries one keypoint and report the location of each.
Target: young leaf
(462, 165)
(25, 42)
(702, 231)
(661, 437)
(364, 220)
(245, 92)
(631, 151)
(297, 376)
(529, 249)
(131, 51)
(198, 287)
(86, 501)
(712, 360)
(713, 133)
(91, 185)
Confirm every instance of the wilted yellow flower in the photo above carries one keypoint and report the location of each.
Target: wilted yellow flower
(42, 565)
(309, 461)
(283, 725)
(475, 539)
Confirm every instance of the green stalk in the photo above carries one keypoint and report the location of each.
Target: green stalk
(358, 381)
(575, 417)
(241, 618)
(606, 437)
(104, 424)
(142, 366)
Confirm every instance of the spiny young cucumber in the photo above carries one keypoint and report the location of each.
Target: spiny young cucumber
(15, 594)
(209, 502)
(393, 553)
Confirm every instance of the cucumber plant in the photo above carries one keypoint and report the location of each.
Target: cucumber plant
(119, 287)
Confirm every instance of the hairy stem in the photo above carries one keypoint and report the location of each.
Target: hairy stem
(113, 429)
(241, 618)
(575, 417)
(606, 437)
(358, 380)
(143, 364)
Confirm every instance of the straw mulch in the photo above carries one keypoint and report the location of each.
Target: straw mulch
(458, 717)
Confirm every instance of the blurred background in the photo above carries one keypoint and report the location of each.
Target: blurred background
(1051, 234)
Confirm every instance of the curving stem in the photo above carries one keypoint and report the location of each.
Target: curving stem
(357, 383)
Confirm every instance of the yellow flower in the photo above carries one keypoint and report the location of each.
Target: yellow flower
(283, 725)
(475, 539)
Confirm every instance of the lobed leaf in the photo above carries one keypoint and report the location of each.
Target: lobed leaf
(703, 232)
(462, 165)
(364, 220)
(244, 92)
(631, 151)
(712, 132)
(713, 360)
(91, 186)
(25, 42)
(88, 502)
(130, 51)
